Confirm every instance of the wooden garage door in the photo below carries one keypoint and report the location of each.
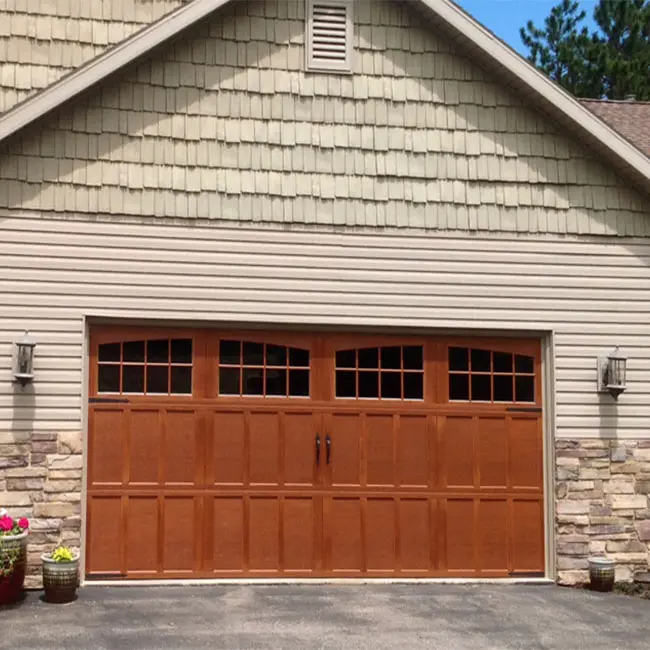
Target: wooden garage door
(249, 454)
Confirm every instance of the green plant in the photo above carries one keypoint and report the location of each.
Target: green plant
(8, 560)
(62, 554)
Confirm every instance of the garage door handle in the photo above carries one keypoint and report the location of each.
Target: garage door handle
(328, 445)
(317, 450)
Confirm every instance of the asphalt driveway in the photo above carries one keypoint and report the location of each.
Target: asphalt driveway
(381, 617)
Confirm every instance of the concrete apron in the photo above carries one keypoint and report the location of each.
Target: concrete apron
(316, 581)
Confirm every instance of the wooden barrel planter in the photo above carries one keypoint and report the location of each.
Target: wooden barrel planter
(13, 562)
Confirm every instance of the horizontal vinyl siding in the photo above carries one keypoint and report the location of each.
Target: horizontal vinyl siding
(593, 293)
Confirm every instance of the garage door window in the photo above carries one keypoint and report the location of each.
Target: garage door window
(153, 367)
(479, 375)
(253, 369)
(384, 373)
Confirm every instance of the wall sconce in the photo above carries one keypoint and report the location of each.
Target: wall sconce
(611, 373)
(24, 372)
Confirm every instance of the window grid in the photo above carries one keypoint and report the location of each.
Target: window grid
(117, 373)
(294, 373)
(512, 385)
(410, 377)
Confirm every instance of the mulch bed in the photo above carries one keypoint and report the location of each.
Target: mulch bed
(633, 589)
(638, 590)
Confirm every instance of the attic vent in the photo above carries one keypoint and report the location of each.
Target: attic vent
(329, 35)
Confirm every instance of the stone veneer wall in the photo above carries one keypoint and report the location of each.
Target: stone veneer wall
(40, 478)
(602, 489)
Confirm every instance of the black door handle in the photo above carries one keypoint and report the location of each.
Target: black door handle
(328, 445)
(317, 450)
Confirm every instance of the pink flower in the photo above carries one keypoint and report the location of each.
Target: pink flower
(23, 523)
(6, 523)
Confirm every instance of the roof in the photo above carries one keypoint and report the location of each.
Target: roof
(630, 118)
(493, 54)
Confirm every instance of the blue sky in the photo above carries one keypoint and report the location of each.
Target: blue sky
(505, 17)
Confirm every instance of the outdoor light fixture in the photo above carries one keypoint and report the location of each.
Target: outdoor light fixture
(24, 372)
(611, 373)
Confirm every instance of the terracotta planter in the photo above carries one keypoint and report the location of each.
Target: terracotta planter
(602, 573)
(13, 548)
(60, 579)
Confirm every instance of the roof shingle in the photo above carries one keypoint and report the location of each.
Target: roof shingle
(630, 118)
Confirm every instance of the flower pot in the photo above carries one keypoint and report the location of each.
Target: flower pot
(60, 579)
(602, 573)
(13, 560)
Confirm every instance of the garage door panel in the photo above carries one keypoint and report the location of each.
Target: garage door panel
(345, 432)
(380, 461)
(460, 536)
(416, 534)
(492, 529)
(105, 535)
(179, 534)
(344, 533)
(380, 533)
(144, 447)
(492, 453)
(227, 534)
(299, 534)
(107, 446)
(458, 460)
(263, 528)
(299, 466)
(526, 453)
(227, 448)
(414, 451)
(264, 449)
(180, 448)
(528, 535)
(142, 535)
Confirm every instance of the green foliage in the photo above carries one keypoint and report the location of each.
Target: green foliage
(8, 559)
(62, 554)
(612, 62)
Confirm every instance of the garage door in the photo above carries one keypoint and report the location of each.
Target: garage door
(252, 454)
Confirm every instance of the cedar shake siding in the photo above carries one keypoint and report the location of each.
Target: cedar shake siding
(42, 40)
(226, 125)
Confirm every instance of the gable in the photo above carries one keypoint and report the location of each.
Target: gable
(226, 125)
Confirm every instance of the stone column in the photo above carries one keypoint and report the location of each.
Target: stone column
(602, 506)
(40, 478)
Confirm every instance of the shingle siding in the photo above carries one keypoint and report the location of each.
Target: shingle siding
(42, 40)
(226, 125)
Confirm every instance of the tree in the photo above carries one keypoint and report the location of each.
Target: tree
(623, 47)
(561, 49)
(612, 62)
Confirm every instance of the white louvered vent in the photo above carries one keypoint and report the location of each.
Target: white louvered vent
(329, 35)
